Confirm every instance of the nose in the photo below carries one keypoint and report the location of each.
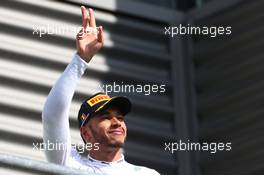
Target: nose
(115, 121)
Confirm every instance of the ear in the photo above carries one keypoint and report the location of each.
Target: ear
(86, 134)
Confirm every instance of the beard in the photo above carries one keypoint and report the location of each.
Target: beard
(103, 140)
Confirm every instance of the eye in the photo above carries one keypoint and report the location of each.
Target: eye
(120, 118)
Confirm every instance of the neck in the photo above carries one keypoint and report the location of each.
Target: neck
(107, 155)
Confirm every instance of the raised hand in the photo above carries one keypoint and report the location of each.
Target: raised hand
(91, 38)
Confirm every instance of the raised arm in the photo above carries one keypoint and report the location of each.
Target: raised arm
(55, 115)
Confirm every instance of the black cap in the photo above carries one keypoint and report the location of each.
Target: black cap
(98, 102)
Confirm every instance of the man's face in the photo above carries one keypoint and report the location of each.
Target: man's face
(108, 128)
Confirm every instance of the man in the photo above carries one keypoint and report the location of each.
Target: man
(101, 118)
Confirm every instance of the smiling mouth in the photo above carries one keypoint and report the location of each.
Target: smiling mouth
(116, 132)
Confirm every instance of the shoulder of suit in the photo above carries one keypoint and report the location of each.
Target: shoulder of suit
(144, 170)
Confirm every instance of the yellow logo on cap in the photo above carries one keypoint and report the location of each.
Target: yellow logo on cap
(97, 99)
(83, 117)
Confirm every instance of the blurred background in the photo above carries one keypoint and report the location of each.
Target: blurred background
(214, 86)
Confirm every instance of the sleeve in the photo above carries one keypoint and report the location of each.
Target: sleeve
(55, 115)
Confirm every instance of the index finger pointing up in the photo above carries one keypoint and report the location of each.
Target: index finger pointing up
(92, 18)
(85, 19)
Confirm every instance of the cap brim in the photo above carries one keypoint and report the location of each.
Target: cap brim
(121, 103)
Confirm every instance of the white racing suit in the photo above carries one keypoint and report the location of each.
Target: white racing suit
(55, 118)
